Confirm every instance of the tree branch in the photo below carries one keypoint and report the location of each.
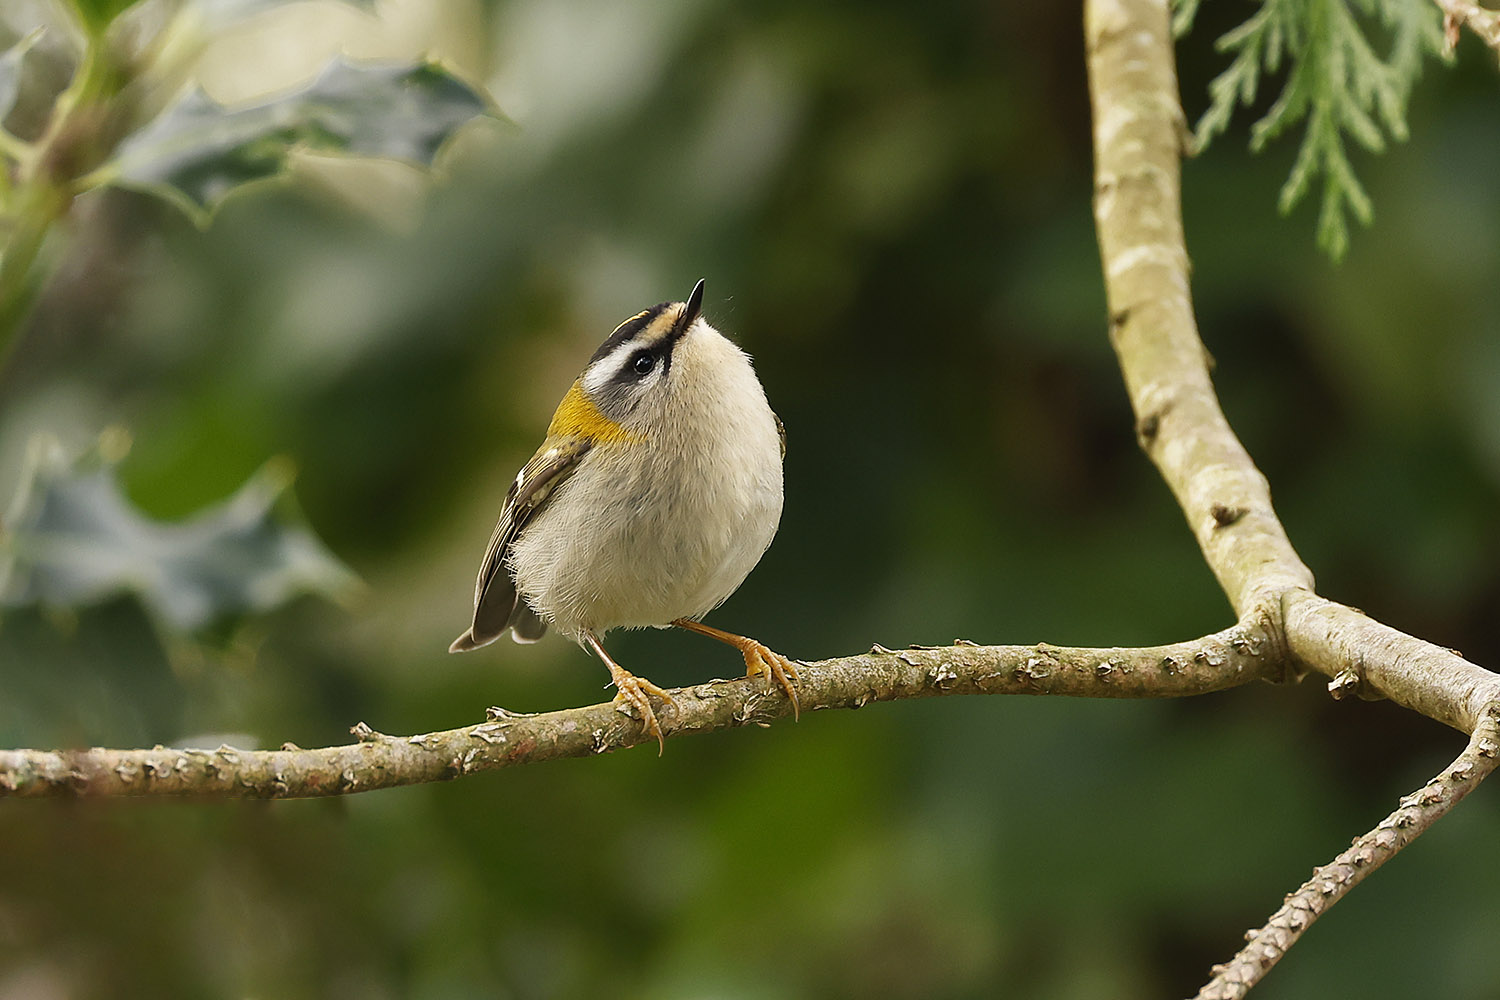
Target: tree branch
(1330, 883)
(1366, 657)
(1484, 23)
(1139, 136)
(1225, 659)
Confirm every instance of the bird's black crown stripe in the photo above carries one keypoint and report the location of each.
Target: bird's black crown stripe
(629, 329)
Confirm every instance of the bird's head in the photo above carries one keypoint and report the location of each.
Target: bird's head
(646, 372)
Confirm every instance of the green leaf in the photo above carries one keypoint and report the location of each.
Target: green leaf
(72, 538)
(1338, 85)
(198, 151)
(1183, 13)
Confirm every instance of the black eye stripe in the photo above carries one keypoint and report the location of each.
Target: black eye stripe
(635, 367)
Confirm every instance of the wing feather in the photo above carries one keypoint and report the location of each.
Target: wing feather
(496, 604)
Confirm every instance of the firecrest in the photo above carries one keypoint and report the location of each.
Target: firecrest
(655, 493)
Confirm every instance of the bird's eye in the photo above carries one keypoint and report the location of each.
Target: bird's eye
(643, 364)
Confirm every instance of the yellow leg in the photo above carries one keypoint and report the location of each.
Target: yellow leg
(633, 690)
(760, 660)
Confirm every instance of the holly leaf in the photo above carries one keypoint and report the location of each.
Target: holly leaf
(197, 151)
(72, 538)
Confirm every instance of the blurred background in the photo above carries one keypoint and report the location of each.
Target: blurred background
(890, 204)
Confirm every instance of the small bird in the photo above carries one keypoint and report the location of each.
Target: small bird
(656, 491)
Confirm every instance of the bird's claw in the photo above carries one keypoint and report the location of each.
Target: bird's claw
(763, 661)
(634, 691)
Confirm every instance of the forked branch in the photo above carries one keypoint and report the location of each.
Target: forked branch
(1284, 625)
(1139, 134)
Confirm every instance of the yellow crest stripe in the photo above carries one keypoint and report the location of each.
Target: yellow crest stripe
(577, 416)
(639, 315)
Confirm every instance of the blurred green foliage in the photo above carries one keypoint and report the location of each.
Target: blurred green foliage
(891, 207)
(124, 116)
(197, 152)
(72, 539)
(1336, 83)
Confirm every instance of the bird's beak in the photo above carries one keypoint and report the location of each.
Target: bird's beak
(692, 309)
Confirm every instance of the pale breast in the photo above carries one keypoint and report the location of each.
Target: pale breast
(643, 534)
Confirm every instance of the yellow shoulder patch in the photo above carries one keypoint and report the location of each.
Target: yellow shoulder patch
(577, 416)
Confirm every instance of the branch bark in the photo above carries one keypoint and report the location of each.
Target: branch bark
(1225, 659)
(1139, 138)
(1416, 812)
(1483, 22)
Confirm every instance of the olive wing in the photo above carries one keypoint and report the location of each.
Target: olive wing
(497, 607)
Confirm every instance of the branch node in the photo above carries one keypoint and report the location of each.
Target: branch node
(1149, 426)
(1249, 645)
(1226, 514)
(1209, 657)
(1345, 683)
(1035, 670)
(491, 732)
(362, 732)
(940, 677)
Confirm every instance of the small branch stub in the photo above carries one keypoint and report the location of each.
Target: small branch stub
(1343, 685)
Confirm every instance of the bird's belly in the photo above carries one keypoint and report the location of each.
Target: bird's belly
(625, 547)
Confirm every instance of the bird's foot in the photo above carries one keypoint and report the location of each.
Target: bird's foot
(634, 691)
(760, 660)
(763, 661)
